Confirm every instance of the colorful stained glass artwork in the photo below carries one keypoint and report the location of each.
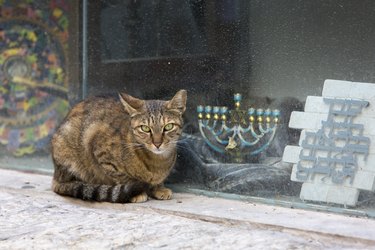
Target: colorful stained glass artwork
(33, 45)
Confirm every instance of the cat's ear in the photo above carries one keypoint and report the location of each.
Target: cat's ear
(131, 104)
(178, 102)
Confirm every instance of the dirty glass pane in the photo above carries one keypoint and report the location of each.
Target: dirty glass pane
(247, 65)
(241, 62)
(150, 29)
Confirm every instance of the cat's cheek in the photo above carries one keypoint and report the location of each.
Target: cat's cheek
(142, 137)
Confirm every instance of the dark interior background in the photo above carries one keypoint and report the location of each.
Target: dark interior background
(260, 48)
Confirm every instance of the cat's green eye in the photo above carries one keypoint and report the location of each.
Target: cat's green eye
(168, 127)
(145, 128)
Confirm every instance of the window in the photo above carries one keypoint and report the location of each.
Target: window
(268, 55)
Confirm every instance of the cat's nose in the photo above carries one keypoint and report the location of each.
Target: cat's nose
(157, 144)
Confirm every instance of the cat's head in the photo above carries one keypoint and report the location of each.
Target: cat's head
(156, 124)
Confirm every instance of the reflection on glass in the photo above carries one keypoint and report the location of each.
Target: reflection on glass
(146, 29)
(275, 53)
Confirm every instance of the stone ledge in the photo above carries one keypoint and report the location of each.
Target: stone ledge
(242, 217)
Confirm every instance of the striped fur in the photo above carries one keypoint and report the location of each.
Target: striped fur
(97, 192)
(101, 153)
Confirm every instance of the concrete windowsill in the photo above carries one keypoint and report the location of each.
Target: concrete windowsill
(32, 214)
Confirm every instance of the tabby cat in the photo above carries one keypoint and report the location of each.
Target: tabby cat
(117, 150)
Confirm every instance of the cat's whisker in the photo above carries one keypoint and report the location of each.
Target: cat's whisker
(183, 139)
(178, 145)
(183, 147)
(131, 145)
(179, 141)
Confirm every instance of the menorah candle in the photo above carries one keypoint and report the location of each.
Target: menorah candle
(237, 100)
(267, 115)
(223, 112)
(259, 114)
(251, 112)
(216, 111)
(200, 111)
(276, 115)
(207, 110)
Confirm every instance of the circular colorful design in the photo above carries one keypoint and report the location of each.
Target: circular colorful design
(31, 59)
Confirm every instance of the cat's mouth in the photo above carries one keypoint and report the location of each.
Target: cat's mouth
(158, 150)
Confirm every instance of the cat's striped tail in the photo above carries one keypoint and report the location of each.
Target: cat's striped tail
(98, 192)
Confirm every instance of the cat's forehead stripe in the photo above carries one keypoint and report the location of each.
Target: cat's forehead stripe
(154, 106)
(153, 119)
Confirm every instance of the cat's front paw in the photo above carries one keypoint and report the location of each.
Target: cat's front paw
(142, 197)
(162, 193)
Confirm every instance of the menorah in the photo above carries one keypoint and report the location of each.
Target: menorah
(247, 132)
